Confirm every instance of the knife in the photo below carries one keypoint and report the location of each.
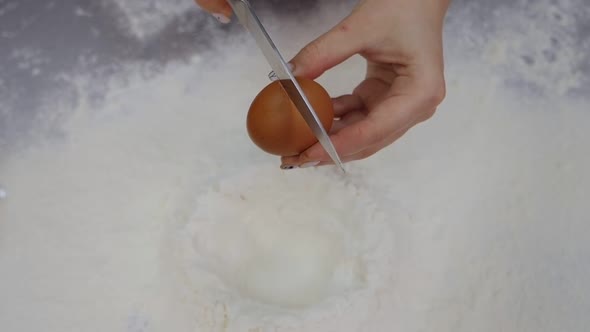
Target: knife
(248, 18)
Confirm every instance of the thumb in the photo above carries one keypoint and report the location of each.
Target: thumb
(332, 48)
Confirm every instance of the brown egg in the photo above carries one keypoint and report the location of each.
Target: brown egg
(276, 126)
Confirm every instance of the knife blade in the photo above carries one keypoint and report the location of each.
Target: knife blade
(248, 18)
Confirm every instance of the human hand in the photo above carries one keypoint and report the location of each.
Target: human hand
(401, 41)
(220, 9)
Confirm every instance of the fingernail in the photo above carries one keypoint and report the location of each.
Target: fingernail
(309, 164)
(221, 18)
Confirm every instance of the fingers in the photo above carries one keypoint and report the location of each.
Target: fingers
(358, 135)
(327, 51)
(348, 109)
(370, 151)
(386, 122)
(220, 9)
(347, 103)
(347, 120)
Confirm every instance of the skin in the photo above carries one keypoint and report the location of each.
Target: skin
(401, 41)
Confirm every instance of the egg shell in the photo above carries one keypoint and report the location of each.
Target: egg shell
(275, 125)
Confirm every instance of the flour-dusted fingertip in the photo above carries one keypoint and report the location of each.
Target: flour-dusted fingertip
(304, 165)
(221, 18)
(313, 154)
(309, 164)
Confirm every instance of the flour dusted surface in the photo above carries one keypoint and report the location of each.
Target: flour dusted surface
(133, 219)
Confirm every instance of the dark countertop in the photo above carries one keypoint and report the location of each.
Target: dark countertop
(38, 42)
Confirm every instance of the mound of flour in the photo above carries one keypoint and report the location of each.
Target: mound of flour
(273, 246)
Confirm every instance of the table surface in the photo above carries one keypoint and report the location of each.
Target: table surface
(41, 40)
(54, 36)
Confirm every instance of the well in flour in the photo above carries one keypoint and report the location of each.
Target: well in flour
(287, 242)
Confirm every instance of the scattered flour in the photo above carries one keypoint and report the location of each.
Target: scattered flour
(7, 7)
(79, 11)
(29, 59)
(144, 18)
(152, 210)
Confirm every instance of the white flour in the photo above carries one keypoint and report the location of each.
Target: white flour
(154, 211)
(145, 18)
(312, 250)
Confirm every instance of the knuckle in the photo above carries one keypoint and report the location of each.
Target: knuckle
(312, 52)
(427, 114)
(440, 92)
(434, 92)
